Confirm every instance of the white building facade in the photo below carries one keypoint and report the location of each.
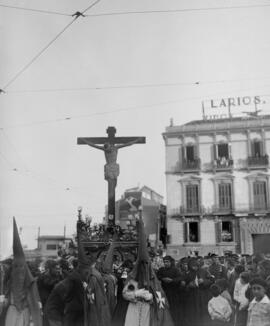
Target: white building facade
(48, 245)
(217, 180)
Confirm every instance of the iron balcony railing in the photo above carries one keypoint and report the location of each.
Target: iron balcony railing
(258, 160)
(192, 210)
(182, 211)
(222, 164)
(252, 208)
(218, 209)
(191, 165)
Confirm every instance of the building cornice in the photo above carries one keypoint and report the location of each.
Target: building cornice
(205, 127)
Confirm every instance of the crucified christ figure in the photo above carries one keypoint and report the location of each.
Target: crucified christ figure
(111, 169)
(110, 146)
(111, 150)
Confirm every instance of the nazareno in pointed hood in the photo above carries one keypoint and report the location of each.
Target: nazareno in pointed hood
(21, 277)
(84, 261)
(107, 265)
(143, 272)
(18, 253)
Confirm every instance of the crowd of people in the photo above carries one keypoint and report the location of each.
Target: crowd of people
(215, 290)
(153, 290)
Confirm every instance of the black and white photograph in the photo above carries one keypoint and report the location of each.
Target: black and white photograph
(134, 163)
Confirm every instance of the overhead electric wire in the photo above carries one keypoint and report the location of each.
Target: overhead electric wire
(26, 172)
(34, 10)
(132, 12)
(7, 161)
(140, 12)
(38, 55)
(91, 6)
(134, 86)
(78, 14)
(52, 12)
(124, 109)
(11, 145)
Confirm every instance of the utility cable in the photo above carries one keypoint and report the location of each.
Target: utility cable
(134, 86)
(76, 15)
(35, 10)
(37, 55)
(132, 12)
(8, 162)
(11, 145)
(91, 6)
(124, 109)
(26, 172)
(176, 10)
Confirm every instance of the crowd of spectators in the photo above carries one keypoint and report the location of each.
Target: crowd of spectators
(233, 290)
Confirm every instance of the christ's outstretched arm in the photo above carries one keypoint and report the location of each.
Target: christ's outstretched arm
(92, 144)
(131, 142)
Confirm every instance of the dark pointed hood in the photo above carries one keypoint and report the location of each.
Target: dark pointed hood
(107, 266)
(21, 277)
(83, 260)
(18, 253)
(142, 245)
(144, 274)
(142, 271)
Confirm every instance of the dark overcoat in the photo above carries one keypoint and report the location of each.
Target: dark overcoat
(99, 310)
(66, 305)
(197, 298)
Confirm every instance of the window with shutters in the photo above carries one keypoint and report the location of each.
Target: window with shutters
(258, 155)
(257, 148)
(260, 195)
(190, 153)
(190, 160)
(225, 196)
(223, 151)
(192, 198)
(191, 231)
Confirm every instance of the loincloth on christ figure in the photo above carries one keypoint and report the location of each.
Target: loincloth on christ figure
(111, 171)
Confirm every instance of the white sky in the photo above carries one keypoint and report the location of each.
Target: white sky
(227, 51)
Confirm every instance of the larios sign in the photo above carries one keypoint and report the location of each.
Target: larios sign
(229, 107)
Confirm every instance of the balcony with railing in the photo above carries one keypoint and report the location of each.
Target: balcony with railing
(221, 209)
(191, 165)
(258, 161)
(191, 210)
(262, 208)
(186, 211)
(223, 164)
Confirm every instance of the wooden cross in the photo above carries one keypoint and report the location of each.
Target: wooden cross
(110, 145)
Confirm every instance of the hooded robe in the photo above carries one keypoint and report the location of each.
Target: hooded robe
(109, 278)
(172, 288)
(98, 311)
(24, 301)
(150, 309)
(68, 304)
(197, 295)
